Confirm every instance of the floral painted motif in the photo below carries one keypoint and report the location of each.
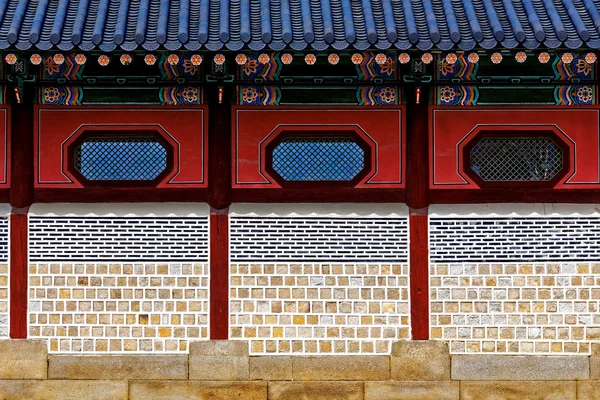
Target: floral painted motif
(575, 95)
(465, 69)
(259, 95)
(447, 69)
(196, 59)
(250, 68)
(381, 58)
(254, 68)
(67, 95)
(178, 95)
(190, 94)
(241, 59)
(377, 95)
(173, 59)
(404, 58)
(250, 95)
(35, 59)
(447, 94)
(333, 59)
(189, 68)
(585, 94)
(51, 95)
(150, 59)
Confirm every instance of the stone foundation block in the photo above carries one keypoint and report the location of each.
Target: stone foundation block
(519, 368)
(595, 361)
(341, 368)
(219, 360)
(316, 391)
(269, 368)
(416, 360)
(540, 390)
(118, 367)
(188, 390)
(23, 359)
(588, 390)
(63, 390)
(228, 348)
(426, 390)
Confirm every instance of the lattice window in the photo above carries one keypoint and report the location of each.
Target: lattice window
(318, 159)
(510, 159)
(121, 158)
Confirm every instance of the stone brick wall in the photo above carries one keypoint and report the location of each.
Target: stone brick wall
(4, 270)
(319, 279)
(319, 308)
(138, 307)
(516, 279)
(224, 370)
(118, 279)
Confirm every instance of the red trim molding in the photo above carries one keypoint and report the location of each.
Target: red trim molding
(18, 273)
(219, 274)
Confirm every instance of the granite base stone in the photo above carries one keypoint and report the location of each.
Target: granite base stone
(224, 370)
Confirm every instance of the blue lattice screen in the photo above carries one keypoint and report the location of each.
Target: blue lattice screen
(121, 159)
(318, 159)
(516, 159)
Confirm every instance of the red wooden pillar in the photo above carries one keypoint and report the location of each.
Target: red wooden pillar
(219, 187)
(417, 199)
(21, 198)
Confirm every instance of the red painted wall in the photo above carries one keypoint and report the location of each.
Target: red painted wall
(4, 146)
(254, 128)
(186, 128)
(451, 128)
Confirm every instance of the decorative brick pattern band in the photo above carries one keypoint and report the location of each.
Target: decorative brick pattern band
(118, 308)
(4, 226)
(275, 239)
(117, 239)
(319, 308)
(528, 239)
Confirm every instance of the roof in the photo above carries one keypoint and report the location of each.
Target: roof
(213, 25)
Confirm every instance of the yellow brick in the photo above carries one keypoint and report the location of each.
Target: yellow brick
(526, 269)
(277, 332)
(164, 332)
(299, 320)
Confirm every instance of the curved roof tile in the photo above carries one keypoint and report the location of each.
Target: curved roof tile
(297, 24)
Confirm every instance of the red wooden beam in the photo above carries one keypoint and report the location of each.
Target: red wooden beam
(322, 195)
(18, 273)
(21, 198)
(417, 199)
(219, 198)
(120, 195)
(219, 274)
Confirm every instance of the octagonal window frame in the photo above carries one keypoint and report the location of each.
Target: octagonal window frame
(119, 134)
(517, 134)
(319, 134)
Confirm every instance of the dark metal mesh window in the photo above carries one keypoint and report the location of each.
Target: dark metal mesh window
(121, 159)
(318, 159)
(516, 159)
